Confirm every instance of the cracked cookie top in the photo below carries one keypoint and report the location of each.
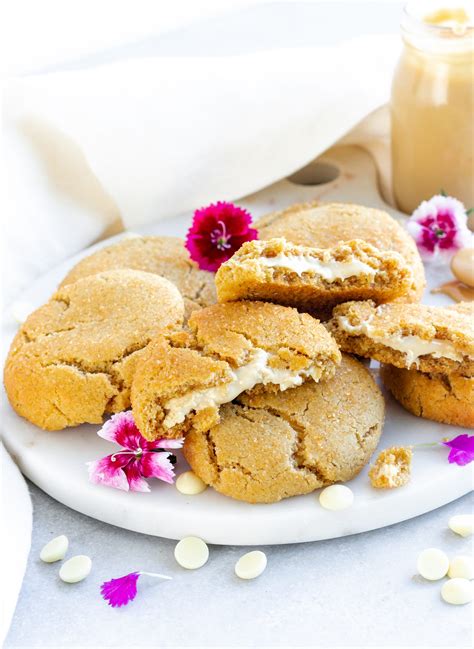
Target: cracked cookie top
(312, 278)
(229, 348)
(271, 446)
(412, 336)
(73, 359)
(165, 256)
(324, 225)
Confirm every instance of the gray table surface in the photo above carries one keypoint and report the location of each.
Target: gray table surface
(355, 591)
(359, 590)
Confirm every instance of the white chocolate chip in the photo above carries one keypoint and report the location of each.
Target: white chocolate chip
(20, 311)
(189, 484)
(191, 553)
(457, 591)
(461, 566)
(432, 564)
(75, 569)
(251, 565)
(336, 497)
(55, 550)
(462, 524)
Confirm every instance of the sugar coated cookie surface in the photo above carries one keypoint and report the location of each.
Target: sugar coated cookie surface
(270, 446)
(312, 278)
(447, 398)
(73, 359)
(182, 379)
(325, 225)
(411, 336)
(165, 256)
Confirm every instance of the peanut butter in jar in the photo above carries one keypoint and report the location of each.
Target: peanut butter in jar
(432, 106)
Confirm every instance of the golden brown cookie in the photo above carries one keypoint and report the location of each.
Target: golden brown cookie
(447, 398)
(270, 446)
(165, 256)
(183, 379)
(73, 359)
(411, 336)
(325, 225)
(312, 279)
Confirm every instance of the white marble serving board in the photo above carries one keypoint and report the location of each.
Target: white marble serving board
(56, 461)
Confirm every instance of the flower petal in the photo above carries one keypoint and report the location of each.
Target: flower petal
(169, 443)
(157, 465)
(203, 240)
(109, 473)
(120, 591)
(135, 478)
(462, 449)
(122, 430)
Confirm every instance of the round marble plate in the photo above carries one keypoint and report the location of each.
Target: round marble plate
(56, 461)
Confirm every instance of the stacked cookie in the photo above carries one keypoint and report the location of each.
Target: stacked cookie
(427, 354)
(256, 384)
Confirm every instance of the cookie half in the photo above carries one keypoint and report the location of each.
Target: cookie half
(322, 225)
(230, 348)
(73, 359)
(270, 446)
(447, 398)
(312, 279)
(412, 336)
(165, 256)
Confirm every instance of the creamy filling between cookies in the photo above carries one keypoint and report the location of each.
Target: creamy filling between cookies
(329, 270)
(256, 371)
(412, 346)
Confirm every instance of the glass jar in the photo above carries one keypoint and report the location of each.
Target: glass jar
(432, 106)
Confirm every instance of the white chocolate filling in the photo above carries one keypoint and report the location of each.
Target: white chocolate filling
(412, 346)
(328, 270)
(256, 371)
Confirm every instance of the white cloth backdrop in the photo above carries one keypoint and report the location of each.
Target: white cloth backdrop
(92, 150)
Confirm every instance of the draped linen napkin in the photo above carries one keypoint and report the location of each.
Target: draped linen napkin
(92, 151)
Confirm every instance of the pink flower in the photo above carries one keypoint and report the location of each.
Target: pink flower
(462, 449)
(439, 227)
(139, 458)
(121, 591)
(217, 232)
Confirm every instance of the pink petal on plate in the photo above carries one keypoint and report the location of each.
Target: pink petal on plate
(169, 443)
(109, 473)
(157, 465)
(135, 477)
(462, 449)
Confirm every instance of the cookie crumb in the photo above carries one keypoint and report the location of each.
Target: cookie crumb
(391, 468)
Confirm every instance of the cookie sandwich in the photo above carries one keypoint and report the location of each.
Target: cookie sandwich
(408, 336)
(73, 359)
(325, 225)
(165, 256)
(183, 379)
(268, 446)
(312, 279)
(444, 397)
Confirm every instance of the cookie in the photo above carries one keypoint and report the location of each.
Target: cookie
(183, 379)
(165, 256)
(325, 225)
(412, 336)
(270, 446)
(312, 279)
(73, 359)
(447, 398)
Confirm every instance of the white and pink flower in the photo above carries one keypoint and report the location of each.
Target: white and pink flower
(439, 227)
(139, 458)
